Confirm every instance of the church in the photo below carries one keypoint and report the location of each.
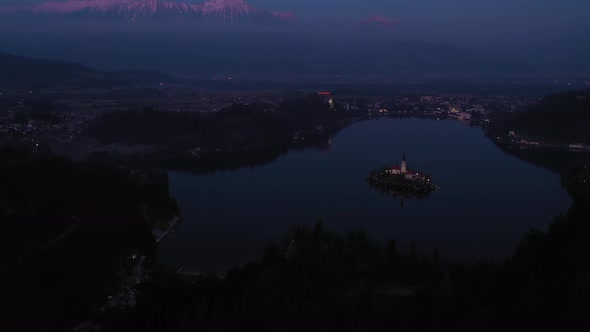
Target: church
(408, 174)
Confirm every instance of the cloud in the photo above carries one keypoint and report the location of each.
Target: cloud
(287, 16)
(379, 20)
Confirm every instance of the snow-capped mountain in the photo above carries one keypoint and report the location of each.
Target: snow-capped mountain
(132, 10)
(230, 10)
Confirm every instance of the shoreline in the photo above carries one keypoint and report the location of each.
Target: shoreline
(160, 235)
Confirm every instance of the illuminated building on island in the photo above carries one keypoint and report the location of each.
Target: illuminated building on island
(401, 181)
(408, 173)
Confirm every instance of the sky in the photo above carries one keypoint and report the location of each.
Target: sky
(501, 21)
(477, 22)
(549, 30)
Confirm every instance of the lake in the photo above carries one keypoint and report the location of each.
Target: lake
(486, 202)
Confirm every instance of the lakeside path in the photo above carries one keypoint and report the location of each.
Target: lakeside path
(159, 235)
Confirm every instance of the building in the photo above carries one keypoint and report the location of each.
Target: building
(331, 103)
(408, 174)
(404, 166)
(464, 116)
(411, 175)
(399, 170)
(577, 146)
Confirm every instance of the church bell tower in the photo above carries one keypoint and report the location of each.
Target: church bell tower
(404, 169)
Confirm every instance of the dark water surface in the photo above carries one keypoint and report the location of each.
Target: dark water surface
(487, 200)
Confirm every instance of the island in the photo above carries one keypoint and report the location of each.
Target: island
(399, 181)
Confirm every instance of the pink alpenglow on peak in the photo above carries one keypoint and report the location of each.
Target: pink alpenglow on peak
(379, 20)
(76, 5)
(228, 9)
(130, 7)
(287, 16)
(131, 10)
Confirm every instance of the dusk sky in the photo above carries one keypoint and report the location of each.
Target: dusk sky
(551, 30)
(531, 18)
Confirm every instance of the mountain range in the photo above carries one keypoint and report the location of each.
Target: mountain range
(133, 10)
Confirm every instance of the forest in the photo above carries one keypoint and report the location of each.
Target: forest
(562, 117)
(66, 228)
(237, 127)
(318, 280)
(69, 225)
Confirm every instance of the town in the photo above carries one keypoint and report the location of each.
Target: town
(57, 119)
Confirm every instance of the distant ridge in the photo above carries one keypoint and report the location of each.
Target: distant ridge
(24, 72)
(19, 71)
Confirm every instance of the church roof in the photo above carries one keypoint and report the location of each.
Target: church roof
(404, 158)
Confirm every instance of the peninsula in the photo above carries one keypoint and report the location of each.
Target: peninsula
(401, 181)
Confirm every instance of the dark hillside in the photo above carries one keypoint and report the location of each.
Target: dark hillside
(67, 227)
(23, 72)
(563, 117)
